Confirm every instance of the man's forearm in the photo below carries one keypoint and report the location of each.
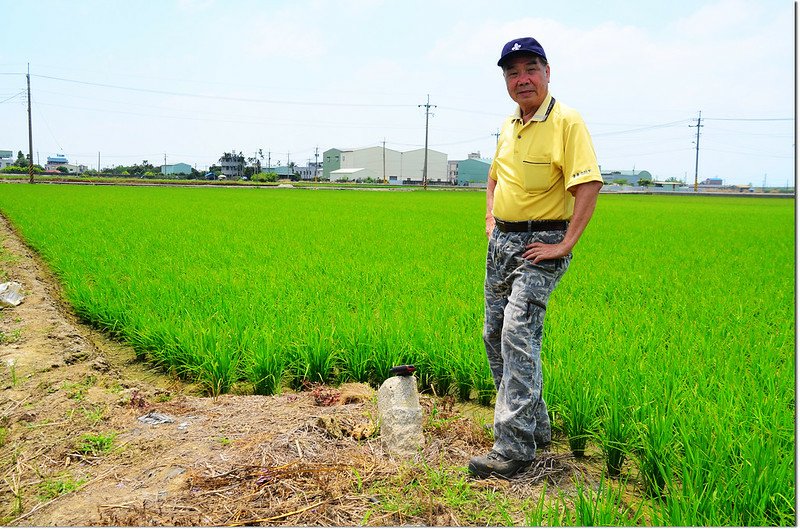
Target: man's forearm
(490, 185)
(585, 202)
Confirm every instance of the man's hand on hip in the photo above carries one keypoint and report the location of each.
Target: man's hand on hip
(539, 251)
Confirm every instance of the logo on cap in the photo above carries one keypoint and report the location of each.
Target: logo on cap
(516, 47)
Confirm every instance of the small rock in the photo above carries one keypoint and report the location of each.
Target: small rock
(10, 294)
(155, 418)
(73, 357)
(100, 364)
(175, 472)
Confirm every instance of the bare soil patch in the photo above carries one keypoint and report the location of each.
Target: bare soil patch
(74, 451)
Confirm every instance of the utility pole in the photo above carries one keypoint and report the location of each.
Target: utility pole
(30, 129)
(496, 137)
(697, 148)
(384, 160)
(316, 162)
(269, 161)
(427, 106)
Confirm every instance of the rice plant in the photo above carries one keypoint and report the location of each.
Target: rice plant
(580, 415)
(665, 299)
(616, 432)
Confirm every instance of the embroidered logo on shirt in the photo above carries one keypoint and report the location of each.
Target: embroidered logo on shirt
(576, 175)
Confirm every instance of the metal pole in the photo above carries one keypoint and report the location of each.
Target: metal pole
(30, 129)
(425, 167)
(697, 149)
(427, 106)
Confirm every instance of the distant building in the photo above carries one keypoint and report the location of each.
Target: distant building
(282, 171)
(59, 160)
(711, 182)
(232, 165)
(6, 158)
(176, 169)
(378, 163)
(472, 171)
(54, 162)
(631, 177)
(310, 172)
(668, 184)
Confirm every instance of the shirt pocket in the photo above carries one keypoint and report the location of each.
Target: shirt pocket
(536, 173)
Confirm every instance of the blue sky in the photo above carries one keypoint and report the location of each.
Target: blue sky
(193, 78)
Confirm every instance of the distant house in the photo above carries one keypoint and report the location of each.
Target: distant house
(6, 158)
(59, 160)
(669, 184)
(54, 162)
(631, 177)
(176, 169)
(232, 165)
(472, 171)
(309, 172)
(282, 171)
(712, 182)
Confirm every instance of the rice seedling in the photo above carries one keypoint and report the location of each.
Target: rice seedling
(265, 366)
(615, 435)
(602, 507)
(655, 453)
(580, 416)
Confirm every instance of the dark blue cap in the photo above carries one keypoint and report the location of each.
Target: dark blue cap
(520, 47)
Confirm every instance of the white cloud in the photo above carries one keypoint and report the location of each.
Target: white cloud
(194, 5)
(716, 19)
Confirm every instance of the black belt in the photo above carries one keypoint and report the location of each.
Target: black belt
(531, 225)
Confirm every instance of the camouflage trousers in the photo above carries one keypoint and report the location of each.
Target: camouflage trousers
(516, 295)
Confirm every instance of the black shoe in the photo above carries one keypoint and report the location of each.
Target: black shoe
(494, 464)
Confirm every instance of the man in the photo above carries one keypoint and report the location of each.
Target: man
(541, 193)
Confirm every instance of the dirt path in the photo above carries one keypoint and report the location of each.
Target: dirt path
(74, 451)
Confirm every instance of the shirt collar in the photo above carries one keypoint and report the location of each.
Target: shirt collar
(541, 113)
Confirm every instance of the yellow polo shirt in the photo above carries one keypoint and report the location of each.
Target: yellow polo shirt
(536, 163)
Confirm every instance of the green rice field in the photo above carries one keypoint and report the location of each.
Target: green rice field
(669, 344)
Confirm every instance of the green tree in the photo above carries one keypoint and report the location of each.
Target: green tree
(620, 181)
(62, 169)
(644, 182)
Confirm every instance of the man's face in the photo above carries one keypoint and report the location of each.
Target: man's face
(526, 81)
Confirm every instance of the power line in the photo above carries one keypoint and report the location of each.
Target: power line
(223, 98)
(12, 97)
(750, 119)
(241, 121)
(639, 129)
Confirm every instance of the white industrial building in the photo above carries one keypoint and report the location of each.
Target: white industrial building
(379, 163)
(5, 158)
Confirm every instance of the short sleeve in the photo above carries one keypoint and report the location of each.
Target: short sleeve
(580, 161)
